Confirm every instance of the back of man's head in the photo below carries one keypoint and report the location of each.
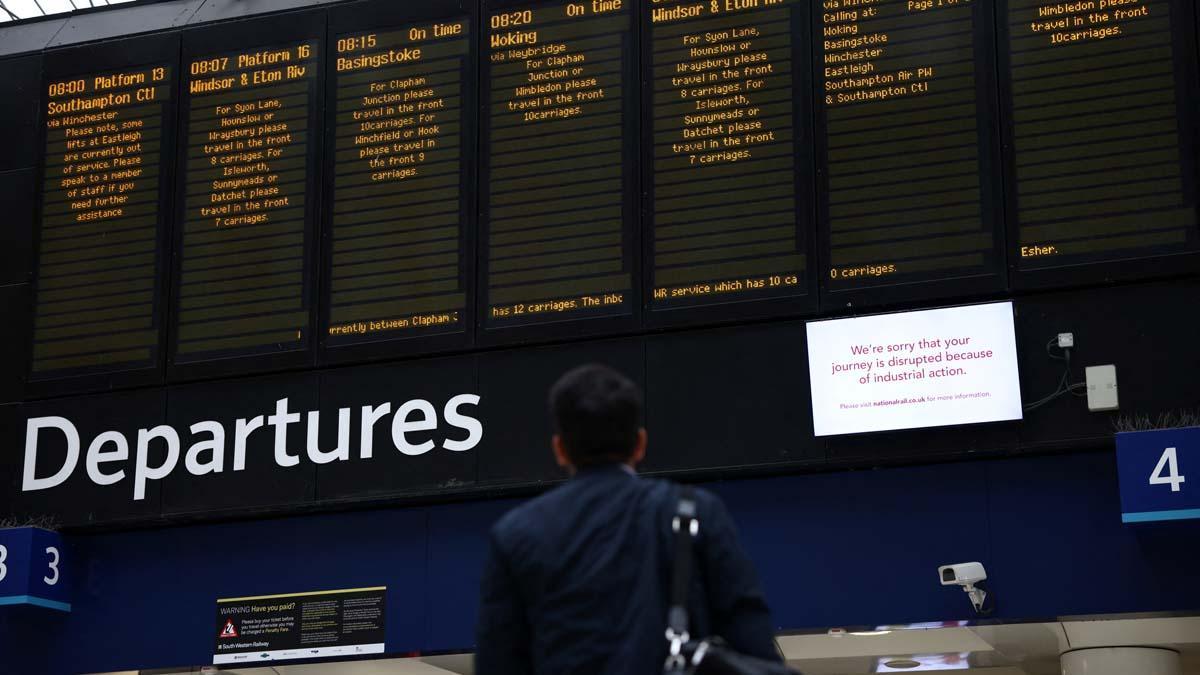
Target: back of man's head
(597, 413)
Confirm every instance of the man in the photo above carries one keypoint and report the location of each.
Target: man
(577, 580)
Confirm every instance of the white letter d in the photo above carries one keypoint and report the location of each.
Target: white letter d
(35, 424)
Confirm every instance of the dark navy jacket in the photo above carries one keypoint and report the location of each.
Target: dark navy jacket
(577, 581)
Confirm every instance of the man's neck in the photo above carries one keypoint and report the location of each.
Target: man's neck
(624, 467)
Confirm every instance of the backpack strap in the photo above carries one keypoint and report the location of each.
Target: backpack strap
(685, 527)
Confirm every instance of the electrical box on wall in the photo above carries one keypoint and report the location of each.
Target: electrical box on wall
(1102, 388)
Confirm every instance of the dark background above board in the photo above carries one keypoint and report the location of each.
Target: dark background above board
(19, 117)
(719, 403)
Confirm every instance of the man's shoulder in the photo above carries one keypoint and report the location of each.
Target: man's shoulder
(522, 517)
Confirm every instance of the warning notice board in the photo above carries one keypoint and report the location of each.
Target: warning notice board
(313, 625)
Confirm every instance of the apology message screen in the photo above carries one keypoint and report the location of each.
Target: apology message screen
(915, 369)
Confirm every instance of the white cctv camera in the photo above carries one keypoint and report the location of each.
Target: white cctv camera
(969, 576)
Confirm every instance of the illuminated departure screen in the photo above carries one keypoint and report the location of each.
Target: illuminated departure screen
(1103, 171)
(243, 279)
(902, 125)
(399, 260)
(724, 208)
(99, 265)
(557, 184)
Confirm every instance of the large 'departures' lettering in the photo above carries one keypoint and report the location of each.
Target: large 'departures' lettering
(1103, 171)
(556, 204)
(216, 446)
(99, 267)
(243, 280)
(724, 205)
(399, 262)
(904, 126)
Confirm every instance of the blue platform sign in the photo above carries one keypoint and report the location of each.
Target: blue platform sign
(32, 569)
(1154, 467)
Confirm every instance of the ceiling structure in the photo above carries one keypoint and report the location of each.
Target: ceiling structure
(15, 10)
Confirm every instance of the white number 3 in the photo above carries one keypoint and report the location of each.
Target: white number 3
(50, 581)
(53, 565)
(1169, 462)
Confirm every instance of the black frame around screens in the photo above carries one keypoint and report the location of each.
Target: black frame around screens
(998, 192)
(550, 327)
(218, 40)
(379, 16)
(118, 56)
(737, 306)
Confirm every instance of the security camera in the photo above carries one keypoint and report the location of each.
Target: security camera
(969, 576)
(962, 574)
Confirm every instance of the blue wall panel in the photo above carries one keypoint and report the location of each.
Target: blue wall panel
(1059, 542)
(149, 598)
(458, 542)
(863, 548)
(836, 549)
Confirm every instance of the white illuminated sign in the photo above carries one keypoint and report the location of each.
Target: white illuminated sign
(912, 370)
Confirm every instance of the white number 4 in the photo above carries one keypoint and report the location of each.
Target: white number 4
(1169, 462)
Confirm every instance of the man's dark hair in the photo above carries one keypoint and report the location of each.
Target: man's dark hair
(597, 412)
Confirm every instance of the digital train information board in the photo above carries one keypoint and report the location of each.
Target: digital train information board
(100, 267)
(726, 219)
(558, 190)
(905, 122)
(243, 266)
(375, 179)
(402, 141)
(1103, 131)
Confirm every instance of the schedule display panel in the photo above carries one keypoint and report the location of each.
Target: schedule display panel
(558, 182)
(726, 137)
(907, 127)
(1103, 131)
(244, 277)
(102, 230)
(400, 257)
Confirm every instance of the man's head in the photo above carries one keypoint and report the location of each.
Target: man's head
(597, 415)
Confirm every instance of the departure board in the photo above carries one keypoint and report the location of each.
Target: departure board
(1103, 132)
(99, 261)
(400, 261)
(243, 274)
(726, 220)
(905, 132)
(559, 193)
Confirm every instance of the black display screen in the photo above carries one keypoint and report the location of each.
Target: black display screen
(906, 122)
(557, 192)
(1102, 129)
(729, 217)
(243, 268)
(400, 256)
(100, 268)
